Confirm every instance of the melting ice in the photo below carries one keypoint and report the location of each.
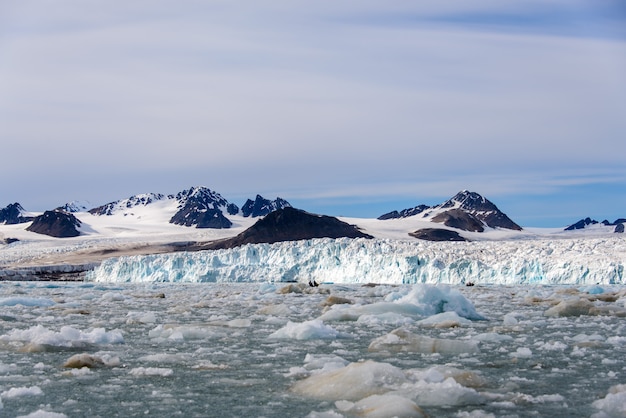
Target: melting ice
(287, 349)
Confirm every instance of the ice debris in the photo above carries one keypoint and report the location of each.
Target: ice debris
(401, 340)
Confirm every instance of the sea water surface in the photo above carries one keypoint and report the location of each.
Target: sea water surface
(272, 349)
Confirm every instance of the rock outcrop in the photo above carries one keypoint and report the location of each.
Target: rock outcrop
(289, 224)
(56, 223)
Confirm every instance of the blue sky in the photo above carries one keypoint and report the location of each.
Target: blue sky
(350, 108)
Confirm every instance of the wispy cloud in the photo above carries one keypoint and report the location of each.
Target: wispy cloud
(322, 99)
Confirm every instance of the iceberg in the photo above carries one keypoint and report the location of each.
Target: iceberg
(345, 261)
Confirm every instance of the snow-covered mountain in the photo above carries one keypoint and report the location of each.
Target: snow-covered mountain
(586, 223)
(466, 211)
(125, 206)
(202, 208)
(75, 206)
(14, 213)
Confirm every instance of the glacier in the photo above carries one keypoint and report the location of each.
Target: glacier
(575, 261)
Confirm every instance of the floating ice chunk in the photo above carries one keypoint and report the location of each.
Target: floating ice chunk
(444, 320)
(151, 371)
(353, 382)
(175, 332)
(570, 307)
(309, 330)
(446, 393)
(477, 413)
(382, 406)
(354, 312)
(277, 310)
(437, 299)
(41, 413)
(522, 352)
(401, 340)
(79, 361)
(438, 374)
(24, 301)
(68, 337)
(22, 391)
(141, 318)
(322, 363)
(327, 414)
(613, 404)
(389, 318)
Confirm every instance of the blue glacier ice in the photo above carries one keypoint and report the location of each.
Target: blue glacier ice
(559, 261)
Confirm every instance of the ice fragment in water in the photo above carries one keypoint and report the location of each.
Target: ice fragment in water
(401, 340)
(353, 382)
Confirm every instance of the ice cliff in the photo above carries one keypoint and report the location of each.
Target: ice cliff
(559, 261)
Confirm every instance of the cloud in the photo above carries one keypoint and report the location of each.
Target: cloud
(332, 99)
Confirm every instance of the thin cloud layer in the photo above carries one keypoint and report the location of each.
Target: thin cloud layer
(357, 100)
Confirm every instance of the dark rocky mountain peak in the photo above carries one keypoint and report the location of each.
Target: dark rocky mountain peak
(261, 206)
(470, 201)
(467, 210)
(477, 207)
(289, 224)
(125, 204)
(404, 213)
(202, 207)
(201, 196)
(56, 223)
(13, 214)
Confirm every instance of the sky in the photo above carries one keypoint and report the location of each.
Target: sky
(346, 108)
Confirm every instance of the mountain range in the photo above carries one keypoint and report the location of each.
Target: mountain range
(200, 207)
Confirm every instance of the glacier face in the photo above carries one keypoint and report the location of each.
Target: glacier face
(560, 261)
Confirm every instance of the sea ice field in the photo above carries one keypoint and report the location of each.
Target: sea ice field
(264, 349)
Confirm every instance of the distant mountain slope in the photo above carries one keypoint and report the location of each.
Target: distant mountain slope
(289, 224)
(405, 213)
(13, 214)
(261, 206)
(467, 211)
(588, 222)
(75, 206)
(123, 205)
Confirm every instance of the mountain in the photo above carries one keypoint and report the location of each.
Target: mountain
(405, 213)
(261, 206)
(197, 206)
(56, 223)
(122, 206)
(203, 208)
(75, 206)
(289, 224)
(13, 214)
(467, 211)
(587, 222)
